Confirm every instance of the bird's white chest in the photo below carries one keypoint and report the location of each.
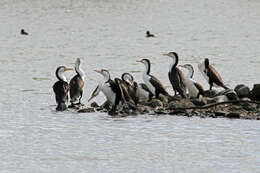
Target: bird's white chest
(108, 92)
(193, 91)
(146, 79)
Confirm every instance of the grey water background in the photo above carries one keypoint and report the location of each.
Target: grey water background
(110, 34)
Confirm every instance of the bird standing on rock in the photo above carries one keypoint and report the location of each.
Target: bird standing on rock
(77, 84)
(176, 76)
(211, 75)
(153, 84)
(61, 88)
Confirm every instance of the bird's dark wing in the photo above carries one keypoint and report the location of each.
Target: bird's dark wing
(158, 85)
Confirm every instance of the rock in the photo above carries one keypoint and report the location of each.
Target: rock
(199, 102)
(232, 95)
(242, 91)
(210, 93)
(163, 99)
(86, 110)
(177, 111)
(255, 92)
(94, 105)
(217, 99)
(106, 105)
(220, 113)
(248, 107)
(233, 115)
(155, 103)
(160, 111)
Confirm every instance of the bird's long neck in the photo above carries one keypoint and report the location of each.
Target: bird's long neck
(61, 77)
(79, 71)
(106, 77)
(174, 63)
(147, 68)
(190, 72)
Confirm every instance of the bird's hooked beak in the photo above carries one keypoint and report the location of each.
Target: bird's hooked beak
(92, 96)
(67, 69)
(139, 61)
(98, 71)
(166, 54)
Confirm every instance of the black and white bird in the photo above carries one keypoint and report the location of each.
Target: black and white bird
(195, 88)
(148, 34)
(61, 88)
(131, 87)
(77, 84)
(211, 75)
(176, 76)
(153, 84)
(110, 89)
(144, 92)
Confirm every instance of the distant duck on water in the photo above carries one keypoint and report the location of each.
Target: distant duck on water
(148, 34)
(23, 32)
(211, 75)
(77, 84)
(152, 83)
(61, 88)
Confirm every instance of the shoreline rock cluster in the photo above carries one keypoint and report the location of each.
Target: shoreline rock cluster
(240, 103)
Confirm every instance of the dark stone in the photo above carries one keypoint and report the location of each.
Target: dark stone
(94, 105)
(106, 105)
(220, 113)
(210, 93)
(231, 95)
(242, 91)
(160, 111)
(248, 107)
(155, 103)
(86, 110)
(198, 102)
(233, 115)
(177, 111)
(255, 92)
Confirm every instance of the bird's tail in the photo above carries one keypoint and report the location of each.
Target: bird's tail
(61, 107)
(225, 87)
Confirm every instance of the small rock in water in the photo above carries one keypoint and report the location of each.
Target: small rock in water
(242, 91)
(86, 110)
(233, 115)
(220, 113)
(255, 92)
(210, 93)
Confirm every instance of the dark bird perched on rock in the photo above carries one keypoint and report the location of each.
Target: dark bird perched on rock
(77, 84)
(153, 84)
(176, 76)
(61, 88)
(211, 75)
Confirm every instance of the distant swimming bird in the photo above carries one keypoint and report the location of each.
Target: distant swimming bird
(148, 34)
(110, 88)
(23, 32)
(153, 84)
(195, 89)
(211, 75)
(61, 88)
(176, 76)
(132, 87)
(77, 84)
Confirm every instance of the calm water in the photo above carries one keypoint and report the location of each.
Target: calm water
(110, 34)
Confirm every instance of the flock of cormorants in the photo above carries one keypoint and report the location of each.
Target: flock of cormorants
(122, 90)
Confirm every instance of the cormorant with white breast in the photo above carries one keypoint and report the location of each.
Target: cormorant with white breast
(176, 76)
(211, 75)
(61, 88)
(195, 89)
(153, 84)
(110, 88)
(77, 84)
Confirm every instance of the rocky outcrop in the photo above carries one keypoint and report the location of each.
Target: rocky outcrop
(242, 91)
